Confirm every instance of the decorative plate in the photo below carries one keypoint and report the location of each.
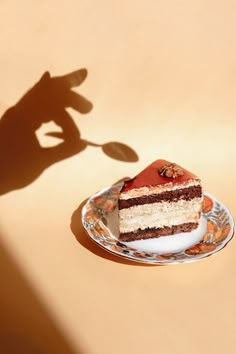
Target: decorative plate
(100, 220)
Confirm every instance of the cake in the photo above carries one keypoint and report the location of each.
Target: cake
(164, 199)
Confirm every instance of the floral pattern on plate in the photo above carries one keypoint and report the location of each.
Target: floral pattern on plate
(219, 230)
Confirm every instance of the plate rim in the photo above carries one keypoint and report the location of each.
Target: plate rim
(147, 261)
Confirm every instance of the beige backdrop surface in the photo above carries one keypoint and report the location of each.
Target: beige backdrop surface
(162, 81)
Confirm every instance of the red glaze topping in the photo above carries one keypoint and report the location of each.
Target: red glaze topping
(150, 176)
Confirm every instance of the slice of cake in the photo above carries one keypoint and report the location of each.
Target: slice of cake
(163, 199)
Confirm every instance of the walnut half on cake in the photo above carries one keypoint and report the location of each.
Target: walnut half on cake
(164, 199)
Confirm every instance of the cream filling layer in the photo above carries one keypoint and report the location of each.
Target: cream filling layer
(159, 215)
(145, 191)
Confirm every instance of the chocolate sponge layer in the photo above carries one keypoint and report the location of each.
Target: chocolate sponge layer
(157, 232)
(172, 196)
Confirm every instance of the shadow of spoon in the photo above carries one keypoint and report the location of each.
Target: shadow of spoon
(117, 151)
(113, 149)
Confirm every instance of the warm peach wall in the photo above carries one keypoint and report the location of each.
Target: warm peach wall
(162, 80)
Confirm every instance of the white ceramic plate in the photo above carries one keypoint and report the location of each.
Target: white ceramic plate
(100, 220)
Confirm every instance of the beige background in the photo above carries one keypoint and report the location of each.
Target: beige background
(162, 80)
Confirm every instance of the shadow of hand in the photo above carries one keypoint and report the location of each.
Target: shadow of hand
(22, 158)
